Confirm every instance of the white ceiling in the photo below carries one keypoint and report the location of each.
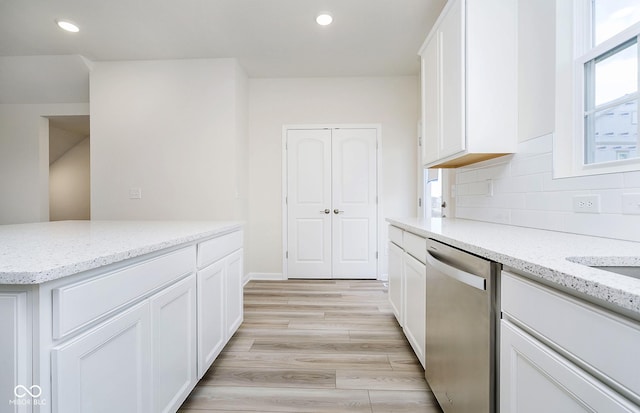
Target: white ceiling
(271, 38)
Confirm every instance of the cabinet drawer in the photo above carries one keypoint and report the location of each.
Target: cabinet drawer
(415, 246)
(214, 249)
(600, 341)
(395, 235)
(78, 304)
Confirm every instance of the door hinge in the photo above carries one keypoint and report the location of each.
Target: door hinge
(419, 140)
(286, 200)
(419, 202)
(286, 254)
(376, 255)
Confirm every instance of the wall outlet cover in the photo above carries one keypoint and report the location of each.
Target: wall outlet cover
(135, 193)
(586, 204)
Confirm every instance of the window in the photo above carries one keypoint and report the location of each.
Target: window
(610, 89)
(432, 193)
(597, 87)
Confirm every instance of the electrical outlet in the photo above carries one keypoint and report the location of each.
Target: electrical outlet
(631, 204)
(135, 193)
(586, 203)
(489, 191)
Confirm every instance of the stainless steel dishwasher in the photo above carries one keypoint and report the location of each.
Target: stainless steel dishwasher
(460, 329)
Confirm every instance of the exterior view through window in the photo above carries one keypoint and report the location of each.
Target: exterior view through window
(611, 82)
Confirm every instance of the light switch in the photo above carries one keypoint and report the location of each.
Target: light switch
(135, 193)
(631, 204)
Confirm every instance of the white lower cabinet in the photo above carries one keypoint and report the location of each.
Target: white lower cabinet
(408, 286)
(415, 304)
(234, 293)
(220, 307)
(560, 354)
(108, 369)
(173, 319)
(534, 379)
(211, 315)
(396, 281)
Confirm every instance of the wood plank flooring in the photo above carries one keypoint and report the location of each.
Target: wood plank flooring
(315, 346)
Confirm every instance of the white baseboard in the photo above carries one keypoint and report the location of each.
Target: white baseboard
(276, 276)
(268, 276)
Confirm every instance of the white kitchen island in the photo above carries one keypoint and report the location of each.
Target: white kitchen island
(114, 316)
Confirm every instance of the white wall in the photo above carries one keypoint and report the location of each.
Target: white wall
(536, 68)
(389, 101)
(24, 159)
(69, 184)
(174, 129)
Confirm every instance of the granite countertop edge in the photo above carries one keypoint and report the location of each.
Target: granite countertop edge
(49, 273)
(556, 269)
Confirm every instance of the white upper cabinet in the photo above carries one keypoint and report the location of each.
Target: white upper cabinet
(469, 83)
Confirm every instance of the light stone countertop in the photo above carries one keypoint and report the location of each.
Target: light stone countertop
(45, 251)
(545, 255)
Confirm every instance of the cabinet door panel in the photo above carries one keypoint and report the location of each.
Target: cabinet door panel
(234, 300)
(211, 314)
(415, 274)
(591, 330)
(396, 281)
(534, 379)
(431, 93)
(15, 348)
(108, 369)
(173, 313)
(452, 81)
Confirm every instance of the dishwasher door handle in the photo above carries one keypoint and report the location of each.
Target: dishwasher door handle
(457, 274)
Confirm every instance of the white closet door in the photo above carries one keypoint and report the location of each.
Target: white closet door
(354, 203)
(309, 203)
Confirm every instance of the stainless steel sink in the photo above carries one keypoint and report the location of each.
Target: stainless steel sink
(622, 270)
(614, 264)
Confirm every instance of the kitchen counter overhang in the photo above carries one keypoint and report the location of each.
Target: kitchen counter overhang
(39, 252)
(546, 256)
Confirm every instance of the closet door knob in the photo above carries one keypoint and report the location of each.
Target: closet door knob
(337, 211)
(326, 211)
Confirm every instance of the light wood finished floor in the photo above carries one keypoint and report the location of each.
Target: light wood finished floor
(315, 346)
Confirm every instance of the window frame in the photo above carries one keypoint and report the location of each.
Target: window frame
(574, 39)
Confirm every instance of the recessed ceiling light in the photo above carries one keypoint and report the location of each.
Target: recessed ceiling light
(324, 19)
(68, 26)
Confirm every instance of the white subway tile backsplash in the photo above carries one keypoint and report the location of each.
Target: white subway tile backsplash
(525, 194)
(464, 176)
(473, 188)
(606, 225)
(610, 200)
(631, 179)
(532, 164)
(537, 146)
(510, 201)
(525, 183)
(495, 215)
(551, 201)
(494, 172)
(608, 181)
(551, 220)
